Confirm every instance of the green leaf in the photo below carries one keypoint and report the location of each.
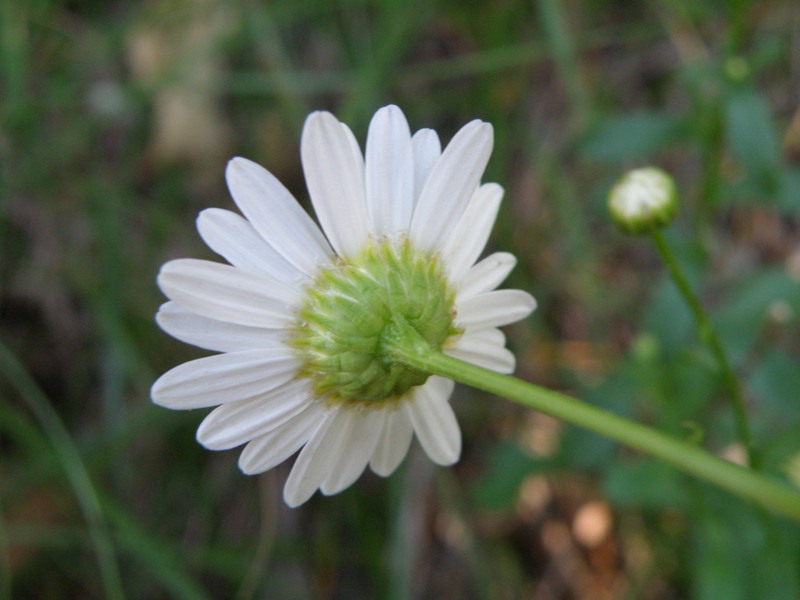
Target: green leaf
(668, 318)
(630, 137)
(507, 467)
(586, 450)
(752, 139)
(789, 193)
(774, 572)
(718, 571)
(741, 552)
(691, 380)
(778, 450)
(739, 322)
(776, 386)
(645, 483)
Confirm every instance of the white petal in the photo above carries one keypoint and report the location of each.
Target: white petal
(271, 449)
(355, 150)
(427, 150)
(449, 187)
(435, 424)
(316, 458)
(335, 180)
(389, 172)
(218, 336)
(490, 337)
(494, 309)
(365, 427)
(226, 293)
(277, 216)
(469, 238)
(236, 423)
(224, 378)
(237, 241)
(486, 348)
(486, 275)
(393, 444)
(439, 386)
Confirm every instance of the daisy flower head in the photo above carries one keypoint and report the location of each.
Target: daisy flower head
(299, 314)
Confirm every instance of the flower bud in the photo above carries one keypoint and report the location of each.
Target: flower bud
(643, 200)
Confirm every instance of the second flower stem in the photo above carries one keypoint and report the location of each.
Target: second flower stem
(709, 335)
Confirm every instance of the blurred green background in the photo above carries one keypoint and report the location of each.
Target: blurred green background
(116, 121)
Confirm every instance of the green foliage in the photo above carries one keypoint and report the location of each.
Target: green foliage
(631, 137)
(506, 468)
(117, 119)
(752, 140)
(739, 552)
(646, 484)
(746, 314)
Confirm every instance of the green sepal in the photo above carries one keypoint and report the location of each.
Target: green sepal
(352, 305)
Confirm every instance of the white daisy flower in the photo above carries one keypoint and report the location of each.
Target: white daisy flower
(299, 313)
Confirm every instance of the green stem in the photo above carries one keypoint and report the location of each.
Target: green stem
(563, 48)
(74, 467)
(709, 335)
(407, 346)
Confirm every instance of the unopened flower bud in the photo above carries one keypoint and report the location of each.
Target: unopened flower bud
(643, 200)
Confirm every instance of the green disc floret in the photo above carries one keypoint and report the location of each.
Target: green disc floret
(350, 308)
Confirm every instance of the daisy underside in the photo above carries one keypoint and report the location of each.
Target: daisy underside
(300, 313)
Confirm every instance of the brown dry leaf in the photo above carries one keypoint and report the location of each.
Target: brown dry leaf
(174, 52)
(791, 140)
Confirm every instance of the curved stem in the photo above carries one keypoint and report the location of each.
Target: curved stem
(74, 467)
(709, 336)
(407, 346)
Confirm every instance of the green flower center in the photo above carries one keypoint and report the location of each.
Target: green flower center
(350, 306)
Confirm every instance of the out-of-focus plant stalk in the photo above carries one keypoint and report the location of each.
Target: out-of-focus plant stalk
(564, 51)
(70, 458)
(644, 202)
(5, 563)
(709, 336)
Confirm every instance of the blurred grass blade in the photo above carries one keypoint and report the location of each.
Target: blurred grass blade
(153, 553)
(5, 563)
(269, 45)
(396, 30)
(268, 510)
(565, 54)
(407, 506)
(71, 460)
(13, 57)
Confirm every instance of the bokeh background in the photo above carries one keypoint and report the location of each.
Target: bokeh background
(117, 119)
